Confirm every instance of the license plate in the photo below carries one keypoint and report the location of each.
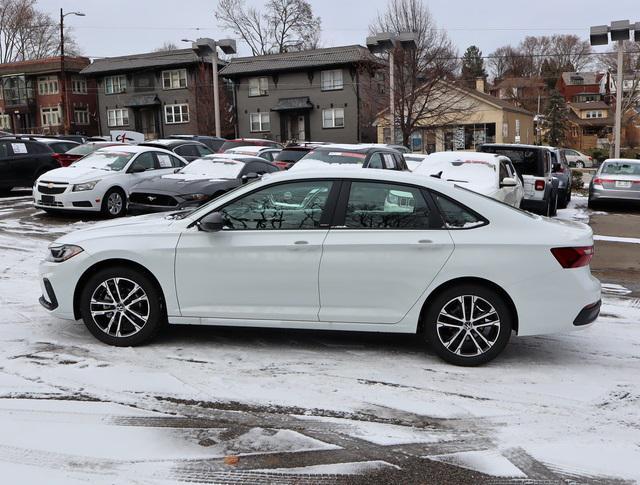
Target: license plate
(623, 184)
(48, 199)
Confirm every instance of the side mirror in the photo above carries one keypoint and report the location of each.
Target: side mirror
(177, 170)
(508, 182)
(250, 176)
(137, 169)
(212, 222)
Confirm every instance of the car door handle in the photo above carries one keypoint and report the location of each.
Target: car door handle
(425, 241)
(300, 243)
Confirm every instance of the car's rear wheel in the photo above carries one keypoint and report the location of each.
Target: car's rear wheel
(552, 209)
(114, 203)
(579, 164)
(468, 325)
(563, 198)
(122, 307)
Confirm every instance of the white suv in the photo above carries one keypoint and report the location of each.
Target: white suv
(101, 181)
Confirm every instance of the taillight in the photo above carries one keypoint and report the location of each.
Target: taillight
(540, 184)
(573, 257)
(282, 165)
(590, 159)
(599, 181)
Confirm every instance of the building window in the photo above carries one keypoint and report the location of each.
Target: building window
(594, 114)
(115, 84)
(505, 129)
(50, 116)
(258, 86)
(79, 85)
(5, 122)
(175, 79)
(118, 117)
(48, 85)
(517, 128)
(81, 116)
(331, 80)
(176, 113)
(260, 122)
(333, 118)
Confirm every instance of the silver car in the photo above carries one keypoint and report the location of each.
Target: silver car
(616, 179)
(578, 159)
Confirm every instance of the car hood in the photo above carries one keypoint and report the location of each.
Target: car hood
(146, 224)
(180, 184)
(74, 174)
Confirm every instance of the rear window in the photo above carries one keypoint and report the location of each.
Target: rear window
(621, 168)
(234, 144)
(84, 149)
(336, 156)
(525, 160)
(290, 155)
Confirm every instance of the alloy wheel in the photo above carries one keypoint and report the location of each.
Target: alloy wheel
(115, 203)
(468, 326)
(119, 307)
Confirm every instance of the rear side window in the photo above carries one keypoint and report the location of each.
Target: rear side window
(455, 215)
(375, 161)
(38, 148)
(187, 151)
(386, 206)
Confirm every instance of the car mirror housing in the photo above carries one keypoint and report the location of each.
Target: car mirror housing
(250, 176)
(508, 182)
(212, 222)
(137, 169)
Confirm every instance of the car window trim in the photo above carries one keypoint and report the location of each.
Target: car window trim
(485, 221)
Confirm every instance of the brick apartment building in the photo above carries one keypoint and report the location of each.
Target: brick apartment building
(31, 97)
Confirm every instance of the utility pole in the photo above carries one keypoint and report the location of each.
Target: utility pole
(619, 95)
(63, 77)
(392, 104)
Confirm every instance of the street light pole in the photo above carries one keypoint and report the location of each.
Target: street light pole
(392, 104)
(216, 94)
(619, 95)
(63, 77)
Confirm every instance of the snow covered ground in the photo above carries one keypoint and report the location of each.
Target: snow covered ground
(221, 405)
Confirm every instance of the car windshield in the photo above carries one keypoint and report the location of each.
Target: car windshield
(336, 156)
(83, 149)
(621, 168)
(525, 160)
(104, 160)
(227, 145)
(290, 155)
(219, 169)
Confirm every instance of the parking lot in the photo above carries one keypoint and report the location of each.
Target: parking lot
(223, 405)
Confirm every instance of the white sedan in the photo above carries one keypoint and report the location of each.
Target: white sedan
(100, 181)
(356, 250)
(485, 173)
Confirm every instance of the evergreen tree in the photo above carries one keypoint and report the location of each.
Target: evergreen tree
(556, 119)
(472, 66)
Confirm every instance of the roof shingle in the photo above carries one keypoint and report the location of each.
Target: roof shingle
(141, 61)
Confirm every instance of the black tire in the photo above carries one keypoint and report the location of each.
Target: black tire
(553, 204)
(103, 327)
(569, 195)
(116, 209)
(439, 336)
(579, 164)
(592, 204)
(563, 198)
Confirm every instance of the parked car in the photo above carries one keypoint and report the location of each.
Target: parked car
(22, 161)
(533, 165)
(401, 148)
(365, 156)
(187, 149)
(414, 160)
(267, 153)
(80, 151)
(58, 146)
(289, 155)
(448, 265)
(243, 142)
(616, 180)
(199, 182)
(561, 171)
(578, 159)
(213, 142)
(485, 173)
(100, 181)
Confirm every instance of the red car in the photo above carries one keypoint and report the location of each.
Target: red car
(243, 142)
(80, 151)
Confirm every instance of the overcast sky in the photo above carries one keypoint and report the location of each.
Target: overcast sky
(120, 27)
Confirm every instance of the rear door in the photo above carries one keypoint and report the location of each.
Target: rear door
(6, 172)
(386, 246)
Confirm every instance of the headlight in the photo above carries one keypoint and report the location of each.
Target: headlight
(85, 186)
(195, 197)
(60, 253)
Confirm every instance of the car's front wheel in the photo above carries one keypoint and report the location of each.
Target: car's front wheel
(121, 306)
(468, 325)
(114, 203)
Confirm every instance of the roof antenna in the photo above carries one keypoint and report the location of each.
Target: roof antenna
(437, 175)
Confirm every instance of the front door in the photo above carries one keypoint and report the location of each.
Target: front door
(264, 264)
(381, 258)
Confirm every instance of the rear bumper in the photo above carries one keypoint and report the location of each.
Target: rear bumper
(536, 205)
(588, 314)
(613, 194)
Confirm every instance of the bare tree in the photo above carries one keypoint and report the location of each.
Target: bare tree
(285, 25)
(167, 46)
(422, 99)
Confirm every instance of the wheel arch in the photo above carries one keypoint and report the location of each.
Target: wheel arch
(109, 263)
(466, 280)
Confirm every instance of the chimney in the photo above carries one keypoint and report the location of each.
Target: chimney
(480, 84)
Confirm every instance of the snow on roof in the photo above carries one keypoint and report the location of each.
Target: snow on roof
(477, 171)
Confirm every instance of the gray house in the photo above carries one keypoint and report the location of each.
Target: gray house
(158, 93)
(316, 95)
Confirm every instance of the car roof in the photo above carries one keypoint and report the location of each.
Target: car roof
(238, 157)
(464, 156)
(625, 160)
(196, 137)
(251, 149)
(170, 142)
(517, 145)
(135, 149)
(352, 147)
(50, 141)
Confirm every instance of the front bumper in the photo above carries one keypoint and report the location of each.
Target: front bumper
(88, 200)
(48, 298)
(58, 283)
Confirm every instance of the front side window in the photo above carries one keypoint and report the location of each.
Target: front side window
(258, 86)
(48, 85)
(175, 79)
(115, 84)
(81, 116)
(292, 206)
(118, 117)
(455, 215)
(176, 113)
(145, 161)
(333, 118)
(386, 206)
(5, 122)
(79, 85)
(331, 80)
(50, 116)
(260, 122)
